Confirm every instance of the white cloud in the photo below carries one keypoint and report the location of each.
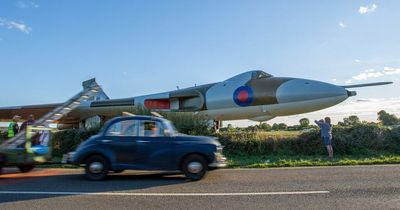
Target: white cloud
(21, 5)
(334, 80)
(391, 71)
(366, 75)
(34, 4)
(372, 73)
(367, 9)
(357, 61)
(10, 24)
(348, 81)
(342, 25)
(26, 4)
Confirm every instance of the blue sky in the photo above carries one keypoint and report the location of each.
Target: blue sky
(47, 48)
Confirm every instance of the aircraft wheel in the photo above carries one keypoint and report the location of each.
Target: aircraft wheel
(26, 168)
(96, 168)
(195, 167)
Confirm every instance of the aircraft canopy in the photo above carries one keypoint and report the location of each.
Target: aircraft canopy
(250, 75)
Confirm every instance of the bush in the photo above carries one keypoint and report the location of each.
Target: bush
(360, 139)
(68, 140)
(186, 123)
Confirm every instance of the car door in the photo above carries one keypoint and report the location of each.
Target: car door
(120, 139)
(155, 150)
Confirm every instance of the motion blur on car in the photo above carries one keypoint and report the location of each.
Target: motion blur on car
(146, 143)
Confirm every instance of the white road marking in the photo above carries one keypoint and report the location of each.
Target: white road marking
(164, 194)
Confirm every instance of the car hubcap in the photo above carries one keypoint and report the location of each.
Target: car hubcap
(96, 167)
(195, 167)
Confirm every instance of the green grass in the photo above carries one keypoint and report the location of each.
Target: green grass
(261, 161)
(265, 161)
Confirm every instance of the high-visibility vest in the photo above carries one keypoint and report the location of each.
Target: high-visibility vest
(11, 129)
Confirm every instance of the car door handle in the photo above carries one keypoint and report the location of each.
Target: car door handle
(106, 140)
(141, 141)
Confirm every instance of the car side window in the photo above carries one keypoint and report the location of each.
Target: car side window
(123, 128)
(150, 128)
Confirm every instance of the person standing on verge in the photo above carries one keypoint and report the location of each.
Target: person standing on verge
(13, 127)
(326, 134)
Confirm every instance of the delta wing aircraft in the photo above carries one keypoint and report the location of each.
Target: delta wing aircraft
(253, 95)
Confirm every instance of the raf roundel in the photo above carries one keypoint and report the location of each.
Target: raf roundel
(243, 96)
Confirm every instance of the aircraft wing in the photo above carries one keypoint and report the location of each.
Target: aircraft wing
(7, 113)
(366, 84)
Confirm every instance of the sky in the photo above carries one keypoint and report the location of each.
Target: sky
(47, 48)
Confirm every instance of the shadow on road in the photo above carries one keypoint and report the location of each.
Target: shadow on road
(56, 180)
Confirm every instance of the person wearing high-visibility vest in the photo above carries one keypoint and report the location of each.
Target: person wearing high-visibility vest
(13, 127)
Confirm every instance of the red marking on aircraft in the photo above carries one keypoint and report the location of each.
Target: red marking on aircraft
(243, 96)
(157, 104)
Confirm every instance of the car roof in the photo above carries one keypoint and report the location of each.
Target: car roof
(138, 117)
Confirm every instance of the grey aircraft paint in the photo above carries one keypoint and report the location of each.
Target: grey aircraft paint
(253, 95)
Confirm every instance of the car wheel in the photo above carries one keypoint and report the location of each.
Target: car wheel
(195, 167)
(96, 167)
(26, 168)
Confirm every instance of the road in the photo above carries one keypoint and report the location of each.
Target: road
(357, 187)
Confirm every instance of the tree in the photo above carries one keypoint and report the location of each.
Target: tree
(387, 119)
(304, 122)
(252, 128)
(275, 127)
(230, 128)
(282, 126)
(352, 120)
(265, 127)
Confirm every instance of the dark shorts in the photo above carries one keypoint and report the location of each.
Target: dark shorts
(327, 141)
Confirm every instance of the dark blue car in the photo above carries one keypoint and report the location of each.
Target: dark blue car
(146, 143)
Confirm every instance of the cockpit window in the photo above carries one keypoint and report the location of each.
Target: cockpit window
(246, 76)
(260, 74)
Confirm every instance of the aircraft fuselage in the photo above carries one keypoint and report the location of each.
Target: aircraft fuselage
(251, 95)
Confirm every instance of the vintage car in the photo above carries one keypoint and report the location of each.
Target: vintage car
(146, 143)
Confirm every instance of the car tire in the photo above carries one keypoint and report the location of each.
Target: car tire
(195, 167)
(96, 168)
(26, 168)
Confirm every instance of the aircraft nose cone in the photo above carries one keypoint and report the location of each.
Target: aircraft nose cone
(303, 90)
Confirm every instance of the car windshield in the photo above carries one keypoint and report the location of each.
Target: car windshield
(170, 127)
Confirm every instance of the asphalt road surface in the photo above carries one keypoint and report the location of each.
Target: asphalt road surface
(358, 187)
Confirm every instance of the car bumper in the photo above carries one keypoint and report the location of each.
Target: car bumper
(68, 158)
(220, 162)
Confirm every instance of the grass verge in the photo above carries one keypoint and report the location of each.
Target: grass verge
(263, 161)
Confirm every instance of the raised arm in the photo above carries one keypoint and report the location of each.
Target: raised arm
(317, 122)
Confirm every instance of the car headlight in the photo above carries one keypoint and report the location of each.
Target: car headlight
(219, 149)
